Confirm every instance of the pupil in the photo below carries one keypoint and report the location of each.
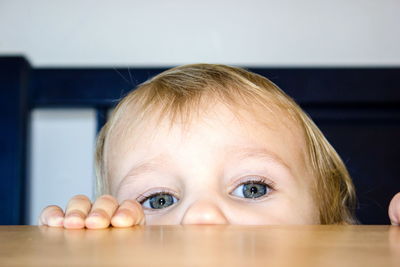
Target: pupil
(161, 201)
(253, 190)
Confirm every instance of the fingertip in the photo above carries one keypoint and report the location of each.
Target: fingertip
(97, 220)
(122, 218)
(74, 220)
(136, 205)
(73, 223)
(48, 215)
(133, 210)
(394, 210)
(56, 221)
(140, 219)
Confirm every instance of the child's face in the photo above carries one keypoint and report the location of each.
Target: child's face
(221, 171)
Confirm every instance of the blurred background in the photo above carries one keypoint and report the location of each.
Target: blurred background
(340, 59)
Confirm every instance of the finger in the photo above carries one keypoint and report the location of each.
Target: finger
(77, 210)
(394, 210)
(129, 213)
(101, 213)
(52, 216)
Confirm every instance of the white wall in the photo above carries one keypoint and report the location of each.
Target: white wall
(171, 32)
(159, 32)
(62, 147)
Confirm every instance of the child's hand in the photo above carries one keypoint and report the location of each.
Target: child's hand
(394, 210)
(80, 213)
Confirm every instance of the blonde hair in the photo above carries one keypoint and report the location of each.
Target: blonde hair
(181, 91)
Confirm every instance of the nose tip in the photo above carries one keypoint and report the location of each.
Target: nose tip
(204, 213)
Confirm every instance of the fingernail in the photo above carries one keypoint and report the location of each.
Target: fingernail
(56, 221)
(74, 220)
(76, 214)
(121, 219)
(94, 214)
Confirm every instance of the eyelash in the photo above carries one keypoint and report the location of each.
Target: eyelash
(261, 180)
(256, 179)
(145, 196)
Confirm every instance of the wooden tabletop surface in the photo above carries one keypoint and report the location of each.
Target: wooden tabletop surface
(319, 245)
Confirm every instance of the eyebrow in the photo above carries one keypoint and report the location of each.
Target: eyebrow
(243, 152)
(237, 152)
(140, 169)
(148, 166)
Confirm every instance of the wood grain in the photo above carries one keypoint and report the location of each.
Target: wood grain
(319, 245)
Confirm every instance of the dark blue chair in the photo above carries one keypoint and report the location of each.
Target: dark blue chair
(358, 109)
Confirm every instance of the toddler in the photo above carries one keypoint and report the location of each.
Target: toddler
(212, 144)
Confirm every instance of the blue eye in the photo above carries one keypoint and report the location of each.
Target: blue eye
(159, 201)
(252, 189)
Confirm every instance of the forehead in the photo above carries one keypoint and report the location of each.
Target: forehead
(212, 132)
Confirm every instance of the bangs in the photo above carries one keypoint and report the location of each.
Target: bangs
(183, 94)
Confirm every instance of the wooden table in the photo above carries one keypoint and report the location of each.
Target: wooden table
(202, 246)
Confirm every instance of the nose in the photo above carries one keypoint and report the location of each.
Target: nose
(204, 212)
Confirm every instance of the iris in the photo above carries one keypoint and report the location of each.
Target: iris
(254, 190)
(159, 201)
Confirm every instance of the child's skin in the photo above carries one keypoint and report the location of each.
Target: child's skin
(204, 172)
